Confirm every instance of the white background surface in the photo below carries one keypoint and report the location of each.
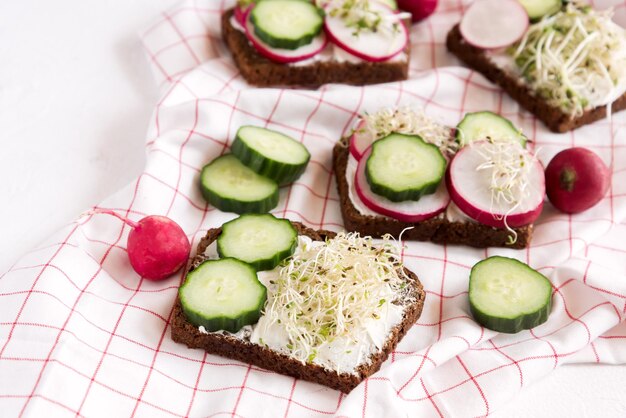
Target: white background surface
(76, 95)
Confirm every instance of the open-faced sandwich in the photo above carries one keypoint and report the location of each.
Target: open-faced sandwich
(474, 185)
(315, 305)
(310, 43)
(563, 61)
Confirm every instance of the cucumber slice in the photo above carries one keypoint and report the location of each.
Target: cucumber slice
(482, 125)
(286, 24)
(506, 295)
(270, 153)
(404, 167)
(222, 294)
(230, 186)
(539, 8)
(262, 241)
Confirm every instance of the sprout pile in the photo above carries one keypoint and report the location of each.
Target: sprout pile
(509, 166)
(329, 293)
(574, 59)
(408, 121)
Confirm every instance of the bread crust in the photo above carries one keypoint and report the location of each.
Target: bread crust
(553, 117)
(438, 230)
(236, 348)
(262, 72)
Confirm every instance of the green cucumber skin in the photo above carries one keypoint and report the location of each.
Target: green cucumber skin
(511, 325)
(226, 204)
(223, 323)
(410, 194)
(265, 263)
(282, 43)
(463, 142)
(279, 172)
(230, 324)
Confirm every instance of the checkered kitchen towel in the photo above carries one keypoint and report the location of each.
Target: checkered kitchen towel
(82, 335)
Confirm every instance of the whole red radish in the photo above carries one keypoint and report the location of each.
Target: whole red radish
(157, 246)
(419, 9)
(576, 179)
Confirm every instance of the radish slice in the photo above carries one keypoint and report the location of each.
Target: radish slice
(369, 46)
(360, 140)
(285, 55)
(410, 211)
(241, 12)
(490, 24)
(470, 190)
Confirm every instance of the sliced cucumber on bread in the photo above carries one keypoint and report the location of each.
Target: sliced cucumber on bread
(230, 186)
(262, 241)
(539, 8)
(506, 295)
(404, 167)
(222, 294)
(478, 126)
(270, 153)
(286, 24)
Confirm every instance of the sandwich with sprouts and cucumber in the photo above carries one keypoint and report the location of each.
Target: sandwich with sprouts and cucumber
(477, 184)
(316, 305)
(565, 62)
(310, 43)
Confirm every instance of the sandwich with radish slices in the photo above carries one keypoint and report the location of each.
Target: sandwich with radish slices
(476, 184)
(310, 43)
(563, 61)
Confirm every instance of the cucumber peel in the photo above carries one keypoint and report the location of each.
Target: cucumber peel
(478, 126)
(404, 167)
(506, 295)
(262, 241)
(223, 294)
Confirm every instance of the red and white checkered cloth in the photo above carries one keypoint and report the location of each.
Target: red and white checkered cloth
(82, 335)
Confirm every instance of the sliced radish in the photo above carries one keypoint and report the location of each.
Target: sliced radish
(241, 12)
(470, 191)
(410, 211)
(367, 45)
(491, 24)
(285, 55)
(360, 140)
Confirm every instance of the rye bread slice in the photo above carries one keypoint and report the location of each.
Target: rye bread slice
(262, 72)
(554, 118)
(240, 349)
(437, 229)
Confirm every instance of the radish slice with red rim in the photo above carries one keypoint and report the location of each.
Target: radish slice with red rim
(285, 55)
(410, 211)
(241, 13)
(491, 24)
(470, 187)
(378, 46)
(360, 139)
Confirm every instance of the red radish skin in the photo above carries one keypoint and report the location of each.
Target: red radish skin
(576, 180)
(157, 246)
(419, 9)
(493, 24)
(427, 207)
(360, 141)
(284, 56)
(241, 13)
(458, 180)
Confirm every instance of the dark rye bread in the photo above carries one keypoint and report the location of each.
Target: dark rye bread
(239, 349)
(437, 230)
(262, 72)
(554, 118)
